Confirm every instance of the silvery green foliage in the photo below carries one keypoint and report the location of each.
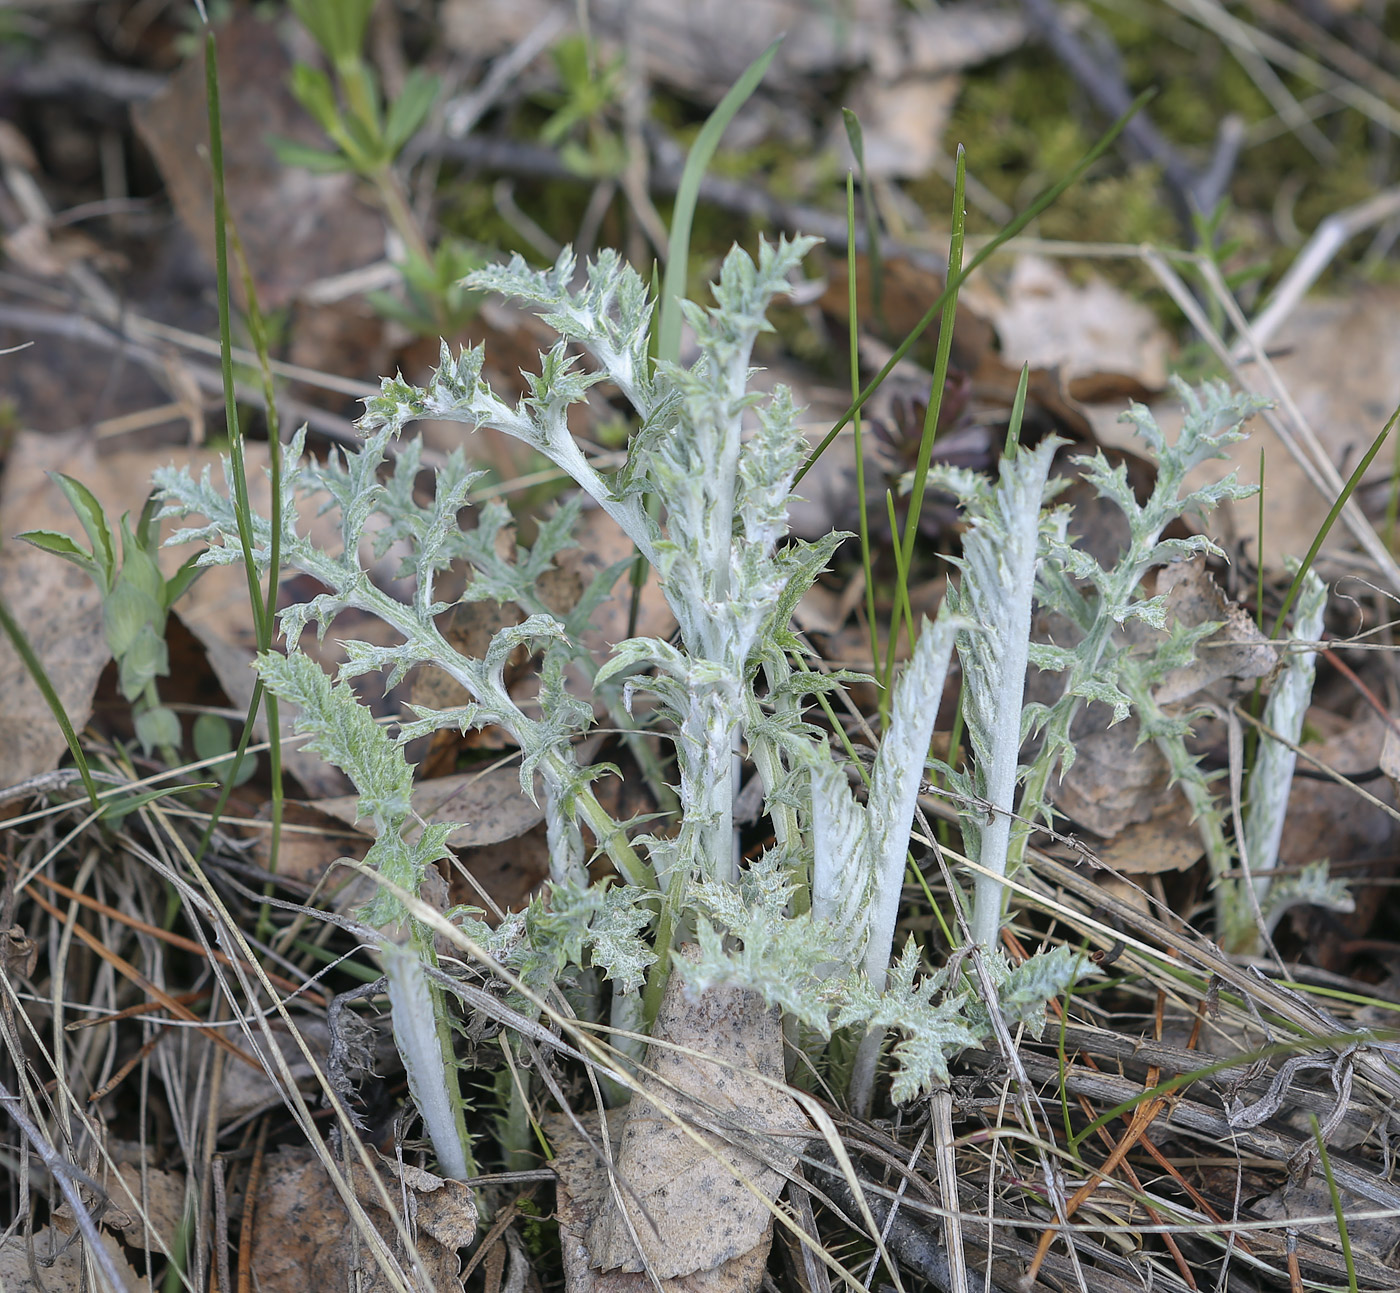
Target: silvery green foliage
(598, 925)
(1101, 666)
(345, 734)
(725, 498)
(796, 963)
(859, 851)
(1097, 600)
(418, 1028)
(1271, 780)
(376, 513)
(1015, 556)
(720, 460)
(1313, 886)
(1025, 990)
(1272, 775)
(929, 1032)
(1008, 529)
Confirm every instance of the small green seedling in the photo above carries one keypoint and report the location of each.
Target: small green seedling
(589, 94)
(368, 133)
(213, 739)
(136, 601)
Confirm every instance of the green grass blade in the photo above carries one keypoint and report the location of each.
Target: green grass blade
(25, 651)
(240, 478)
(131, 803)
(668, 345)
(1348, 490)
(1018, 412)
(1259, 550)
(902, 609)
(853, 324)
(856, 135)
(257, 329)
(261, 606)
(935, 401)
(1047, 199)
(1338, 1211)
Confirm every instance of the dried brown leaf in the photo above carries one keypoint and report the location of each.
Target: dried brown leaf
(696, 1203)
(1236, 652)
(1167, 841)
(304, 1238)
(1114, 781)
(157, 1191)
(58, 1264)
(583, 1193)
(490, 804)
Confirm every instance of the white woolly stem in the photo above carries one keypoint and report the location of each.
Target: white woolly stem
(894, 791)
(418, 1034)
(997, 590)
(1272, 777)
(894, 783)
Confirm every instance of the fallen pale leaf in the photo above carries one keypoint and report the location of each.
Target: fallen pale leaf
(158, 1192)
(1337, 358)
(1114, 781)
(1092, 333)
(903, 123)
(583, 1193)
(1236, 651)
(1390, 754)
(58, 1260)
(490, 805)
(1166, 841)
(695, 1203)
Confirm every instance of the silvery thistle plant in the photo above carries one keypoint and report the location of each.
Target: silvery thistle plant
(1008, 531)
(1246, 911)
(1270, 781)
(1097, 601)
(810, 925)
(1017, 555)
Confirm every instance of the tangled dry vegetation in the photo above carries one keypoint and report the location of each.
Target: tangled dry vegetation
(208, 1078)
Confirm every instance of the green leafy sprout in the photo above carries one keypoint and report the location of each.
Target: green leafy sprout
(136, 601)
(367, 133)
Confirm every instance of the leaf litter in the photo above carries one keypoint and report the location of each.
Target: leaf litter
(304, 1238)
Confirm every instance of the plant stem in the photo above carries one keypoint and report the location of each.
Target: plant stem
(424, 1037)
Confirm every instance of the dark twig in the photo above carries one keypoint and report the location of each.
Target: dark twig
(533, 161)
(912, 1240)
(77, 327)
(72, 77)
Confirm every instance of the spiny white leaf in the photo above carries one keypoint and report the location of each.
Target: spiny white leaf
(1272, 777)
